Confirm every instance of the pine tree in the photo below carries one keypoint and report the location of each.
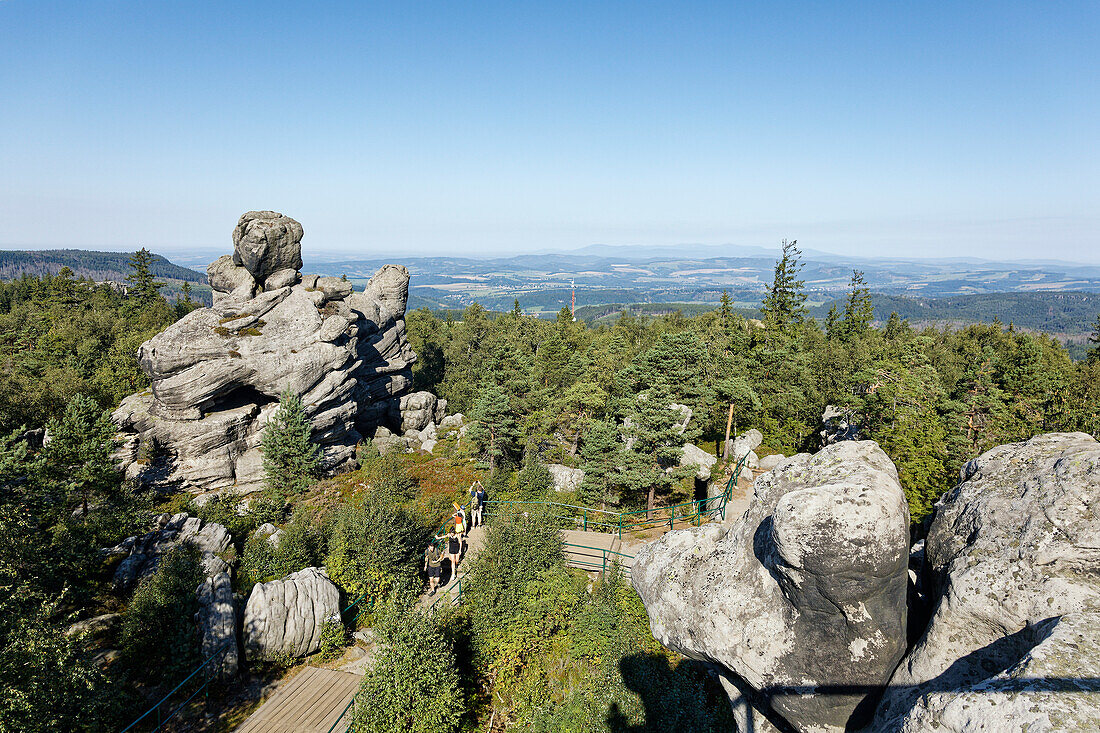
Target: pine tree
(657, 440)
(858, 310)
(291, 459)
(492, 429)
(605, 463)
(146, 289)
(833, 326)
(785, 302)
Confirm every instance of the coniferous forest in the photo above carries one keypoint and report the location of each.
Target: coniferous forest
(534, 645)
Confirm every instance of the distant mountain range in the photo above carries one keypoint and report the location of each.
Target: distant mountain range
(99, 266)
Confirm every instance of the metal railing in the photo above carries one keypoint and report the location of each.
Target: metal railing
(208, 677)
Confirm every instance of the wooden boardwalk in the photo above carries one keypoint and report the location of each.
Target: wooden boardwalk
(310, 703)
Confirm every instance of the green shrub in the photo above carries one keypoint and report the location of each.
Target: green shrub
(301, 545)
(413, 686)
(291, 459)
(333, 638)
(158, 628)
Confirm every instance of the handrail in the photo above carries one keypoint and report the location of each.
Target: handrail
(221, 650)
(343, 713)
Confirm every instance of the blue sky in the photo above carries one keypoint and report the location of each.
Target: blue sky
(935, 129)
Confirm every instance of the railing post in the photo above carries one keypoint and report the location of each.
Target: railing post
(585, 520)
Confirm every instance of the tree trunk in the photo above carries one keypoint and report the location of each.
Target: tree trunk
(726, 444)
(651, 500)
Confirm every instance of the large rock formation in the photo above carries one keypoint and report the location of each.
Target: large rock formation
(804, 600)
(285, 616)
(141, 554)
(1012, 561)
(217, 622)
(217, 373)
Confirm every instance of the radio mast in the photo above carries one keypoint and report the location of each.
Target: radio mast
(573, 302)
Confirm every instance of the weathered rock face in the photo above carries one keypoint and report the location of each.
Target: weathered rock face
(142, 554)
(417, 410)
(285, 616)
(217, 622)
(564, 477)
(806, 592)
(217, 373)
(1013, 557)
(699, 459)
(265, 242)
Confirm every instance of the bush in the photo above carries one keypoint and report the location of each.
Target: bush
(333, 638)
(375, 547)
(413, 686)
(301, 545)
(158, 628)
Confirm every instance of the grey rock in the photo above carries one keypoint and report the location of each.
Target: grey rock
(282, 279)
(744, 445)
(807, 590)
(428, 446)
(273, 534)
(217, 622)
(564, 477)
(334, 288)
(285, 616)
(1013, 569)
(389, 288)
(217, 373)
(142, 554)
(265, 242)
(416, 410)
(227, 277)
(767, 463)
(451, 422)
(839, 423)
(701, 460)
(96, 627)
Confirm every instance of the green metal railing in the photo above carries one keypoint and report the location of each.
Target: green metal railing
(207, 667)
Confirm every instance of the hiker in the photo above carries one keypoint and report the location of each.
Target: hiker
(461, 523)
(482, 497)
(454, 550)
(433, 566)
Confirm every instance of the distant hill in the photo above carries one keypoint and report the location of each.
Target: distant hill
(1069, 313)
(98, 266)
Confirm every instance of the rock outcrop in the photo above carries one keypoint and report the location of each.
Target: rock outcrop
(699, 459)
(141, 554)
(285, 616)
(1012, 563)
(564, 477)
(838, 423)
(217, 622)
(804, 600)
(217, 373)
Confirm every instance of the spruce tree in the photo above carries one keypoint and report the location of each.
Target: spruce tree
(785, 302)
(145, 288)
(291, 459)
(858, 310)
(605, 463)
(78, 455)
(725, 310)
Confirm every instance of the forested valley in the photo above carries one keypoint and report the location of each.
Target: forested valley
(534, 645)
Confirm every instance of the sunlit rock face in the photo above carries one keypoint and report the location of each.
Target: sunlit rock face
(217, 373)
(803, 601)
(1012, 563)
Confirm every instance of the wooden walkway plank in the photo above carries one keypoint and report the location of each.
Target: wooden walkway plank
(309, 703)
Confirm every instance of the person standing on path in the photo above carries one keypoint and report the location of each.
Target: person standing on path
(454, 550)
(433, 566)
(482, 497)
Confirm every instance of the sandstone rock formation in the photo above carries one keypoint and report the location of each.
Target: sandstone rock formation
(699, 459)
(217, 373)
(142, 554)
(564, 477)
(1012, 562)
(217, 622)
(804, 600)
(285, 616)
(839, 423)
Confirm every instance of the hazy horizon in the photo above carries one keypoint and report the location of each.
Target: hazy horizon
(861, 129)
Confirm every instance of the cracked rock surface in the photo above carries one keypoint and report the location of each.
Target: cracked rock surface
(803, 601)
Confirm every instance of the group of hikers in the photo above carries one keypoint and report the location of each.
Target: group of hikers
(450, 545)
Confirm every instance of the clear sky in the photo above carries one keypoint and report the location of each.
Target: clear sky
(969, 128)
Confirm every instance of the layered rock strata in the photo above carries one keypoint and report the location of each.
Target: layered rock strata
(284, 617)
(216, 374)
(802, 602)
